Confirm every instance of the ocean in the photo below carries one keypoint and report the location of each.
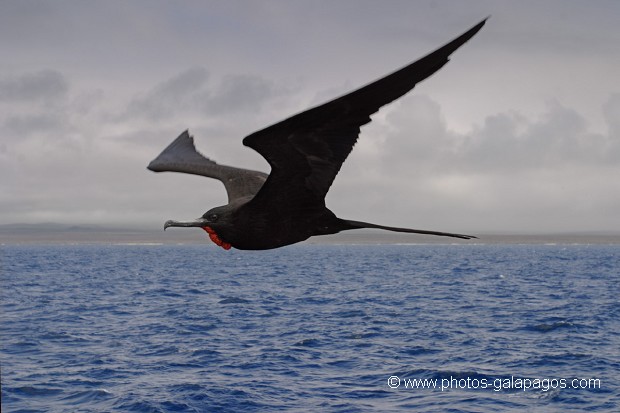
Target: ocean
(325, 328)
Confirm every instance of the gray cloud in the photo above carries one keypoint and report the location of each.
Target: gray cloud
(190, 92)
(45, 85)
(177, 94)
(37, 106)
(23, 125)
(611, 111)
(504, 141)
(560, 136)
(241, 94)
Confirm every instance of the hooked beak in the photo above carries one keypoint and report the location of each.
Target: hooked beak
(200, 222)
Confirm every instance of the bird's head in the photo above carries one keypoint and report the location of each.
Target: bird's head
(215, 222)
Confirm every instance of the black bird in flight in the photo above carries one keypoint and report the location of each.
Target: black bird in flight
(305, 153)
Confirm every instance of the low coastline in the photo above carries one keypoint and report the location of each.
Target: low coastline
(25, 234)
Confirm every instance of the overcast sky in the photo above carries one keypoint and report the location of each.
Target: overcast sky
(519, 132)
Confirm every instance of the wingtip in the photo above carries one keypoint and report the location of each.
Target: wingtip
(483, 22)
(450, 47)
(151, 167)
(185, 135)
(183, 144)
(478, 26)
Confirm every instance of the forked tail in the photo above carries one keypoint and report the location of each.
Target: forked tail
(360, 224)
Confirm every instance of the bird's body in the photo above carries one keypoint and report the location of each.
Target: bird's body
(305, 153)
(259, 229)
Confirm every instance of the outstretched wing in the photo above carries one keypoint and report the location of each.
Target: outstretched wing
(181, 156)
(307, 150)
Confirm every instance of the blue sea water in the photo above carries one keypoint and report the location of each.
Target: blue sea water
(143, 328)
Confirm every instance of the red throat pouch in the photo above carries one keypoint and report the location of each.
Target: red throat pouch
(216, 239)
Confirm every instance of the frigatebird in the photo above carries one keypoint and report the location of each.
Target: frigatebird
(305, 152)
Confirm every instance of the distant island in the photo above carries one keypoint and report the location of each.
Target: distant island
(58, 233)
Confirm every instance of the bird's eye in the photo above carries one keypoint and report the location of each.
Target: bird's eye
(212, 217)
